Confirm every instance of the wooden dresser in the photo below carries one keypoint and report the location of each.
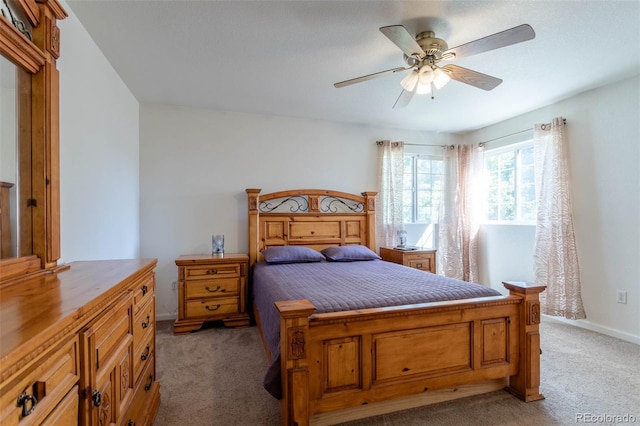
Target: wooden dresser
(211, 288)
(422, 259)
(78, 346)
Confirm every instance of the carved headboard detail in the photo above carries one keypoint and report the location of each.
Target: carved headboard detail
(310, 217)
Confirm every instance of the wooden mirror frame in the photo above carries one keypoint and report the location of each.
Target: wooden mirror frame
(38, 136)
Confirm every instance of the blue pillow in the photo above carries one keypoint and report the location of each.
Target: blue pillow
(291, 254)
(349, 253)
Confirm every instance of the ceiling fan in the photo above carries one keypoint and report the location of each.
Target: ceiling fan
(423, 53)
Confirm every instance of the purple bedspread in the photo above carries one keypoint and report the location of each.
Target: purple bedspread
(343, 286)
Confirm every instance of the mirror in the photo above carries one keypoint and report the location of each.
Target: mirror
(30, 40)
(8, 160)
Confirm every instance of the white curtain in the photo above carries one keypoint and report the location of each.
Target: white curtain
(459, 216)
(390, 173)
(555, 254)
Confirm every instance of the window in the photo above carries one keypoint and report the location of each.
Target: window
(510, 183)
(422, 188)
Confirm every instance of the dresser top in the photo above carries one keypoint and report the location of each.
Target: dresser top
(38, 310)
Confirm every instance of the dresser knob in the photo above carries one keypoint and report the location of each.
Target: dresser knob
(28, 403)
(144, 290)
(212, 271)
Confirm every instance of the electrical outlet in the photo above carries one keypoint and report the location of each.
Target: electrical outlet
(621, 296)
(174, 285)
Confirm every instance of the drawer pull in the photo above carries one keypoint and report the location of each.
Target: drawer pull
(419, 265)
(144, 290)
(145, 323)
(27, 403)
(145, 355)
(96, 397)
(209, 308)
(212, 271)
(131, 423)
(212, 291)
(148, 385)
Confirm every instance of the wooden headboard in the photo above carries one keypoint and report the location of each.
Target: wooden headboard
(310, 217)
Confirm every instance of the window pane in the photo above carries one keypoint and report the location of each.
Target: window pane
(510, 192)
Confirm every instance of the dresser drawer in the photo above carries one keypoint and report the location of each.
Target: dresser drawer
(65, 413)
(144, 320)
(212, 307)
(143, 353)
(146, 390)
(223, 287)
(143, 291)
(40, 390)
(217, 271)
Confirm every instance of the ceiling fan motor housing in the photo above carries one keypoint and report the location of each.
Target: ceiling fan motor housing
(432, 45)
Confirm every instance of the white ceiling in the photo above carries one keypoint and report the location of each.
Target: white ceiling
(282, 57)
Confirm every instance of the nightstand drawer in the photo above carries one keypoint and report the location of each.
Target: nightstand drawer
(424, 264)
(212, 307)
(223, 287)
(218, 271)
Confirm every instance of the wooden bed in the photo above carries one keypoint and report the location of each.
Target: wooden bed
(342, 366)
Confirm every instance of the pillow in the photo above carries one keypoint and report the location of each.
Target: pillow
(349, 253)
(291, 254)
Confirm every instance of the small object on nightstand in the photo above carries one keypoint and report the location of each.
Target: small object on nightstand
(217, 244)
(211, 288)
(414, 257)
(402, 238)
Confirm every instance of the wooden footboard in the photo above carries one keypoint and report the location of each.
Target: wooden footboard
(345, 360)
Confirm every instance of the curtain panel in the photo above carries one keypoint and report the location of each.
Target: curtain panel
(459, 221)
(390, 175)
(555, 254)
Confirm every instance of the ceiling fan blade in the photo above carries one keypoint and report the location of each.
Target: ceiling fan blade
(473, 78)
(405, 41)
(404, 99)
(369, 77)
(495, 41)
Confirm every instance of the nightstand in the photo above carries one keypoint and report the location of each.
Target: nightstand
(211, 288)
(422, 259)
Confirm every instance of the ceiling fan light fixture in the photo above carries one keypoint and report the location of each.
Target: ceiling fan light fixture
(440, 78)
(410, 82)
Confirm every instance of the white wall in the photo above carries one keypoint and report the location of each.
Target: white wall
(604, 161)
(196, 164)
(99, 162)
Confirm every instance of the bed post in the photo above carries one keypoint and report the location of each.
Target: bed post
(526, 384)
(294, 335)
(254, 238)
(370, 208)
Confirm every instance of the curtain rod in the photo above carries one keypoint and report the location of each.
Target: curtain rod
(564, 121)
(420, 144)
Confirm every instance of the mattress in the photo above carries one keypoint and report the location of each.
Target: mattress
(343, 286)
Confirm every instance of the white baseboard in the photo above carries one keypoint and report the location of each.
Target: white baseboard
(166, 317)
(587, 325)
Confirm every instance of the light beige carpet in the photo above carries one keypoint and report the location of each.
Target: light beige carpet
(214, 377)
